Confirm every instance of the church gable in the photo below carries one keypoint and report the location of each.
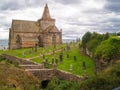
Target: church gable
(25, 26)
(51, 29)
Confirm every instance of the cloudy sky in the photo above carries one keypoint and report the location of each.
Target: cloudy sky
(75, 17)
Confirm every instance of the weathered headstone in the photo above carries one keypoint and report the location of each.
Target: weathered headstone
(23, 54)
(75, 58)
(84, 65)
(56, 61)
(79, 46)
(43, 56)
(46, 60)
(68, 56)
(35, 47)
(68, 47)
(30, 52)
(52, 60)
(61, 57)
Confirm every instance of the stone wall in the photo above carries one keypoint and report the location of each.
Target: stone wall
(68, 76)
(14, 59)
(42, 74)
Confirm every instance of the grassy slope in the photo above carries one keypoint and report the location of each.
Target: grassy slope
(19, 52)
(12, 78)
(65, 65)
(77, 65)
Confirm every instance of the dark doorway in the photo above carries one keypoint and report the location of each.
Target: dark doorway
(44, 83)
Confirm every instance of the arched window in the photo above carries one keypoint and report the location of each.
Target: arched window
(18, 39)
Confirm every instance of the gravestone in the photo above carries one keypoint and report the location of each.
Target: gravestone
(61, 57)
(56, 61)
(67, 47)
(75, 58)
(46, 60)
(23, 54)
(68, 56)
(43, 56)
(30, 52)
(52, 60)
(79, 46)
(84, 65)
(36, 48)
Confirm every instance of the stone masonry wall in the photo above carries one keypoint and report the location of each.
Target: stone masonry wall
(14, 59)
(67, 76)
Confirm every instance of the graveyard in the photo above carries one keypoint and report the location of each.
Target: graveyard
(67, 57)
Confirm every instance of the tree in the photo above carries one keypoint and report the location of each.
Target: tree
(86, 38)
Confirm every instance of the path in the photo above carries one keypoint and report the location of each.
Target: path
(44, 54)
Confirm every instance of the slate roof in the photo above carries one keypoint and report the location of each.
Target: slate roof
(25, 26)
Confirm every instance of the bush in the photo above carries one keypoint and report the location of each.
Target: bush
(106, 80)
(109, 49)
(56, 84)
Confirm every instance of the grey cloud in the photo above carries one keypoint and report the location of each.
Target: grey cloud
(113, 5)
(68, 1)
(19, 4)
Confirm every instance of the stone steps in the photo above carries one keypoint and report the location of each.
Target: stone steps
(31, 66)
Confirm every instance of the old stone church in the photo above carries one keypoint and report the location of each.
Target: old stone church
(42, 32)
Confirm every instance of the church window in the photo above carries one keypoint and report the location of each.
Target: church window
(18, 39)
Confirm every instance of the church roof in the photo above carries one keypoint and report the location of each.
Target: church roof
(24, 26)
(51, 29)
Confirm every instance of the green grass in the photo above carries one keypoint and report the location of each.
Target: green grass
(76, 65)
(1, 51)
(38, 60)
(65, 65)
(26, 51)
